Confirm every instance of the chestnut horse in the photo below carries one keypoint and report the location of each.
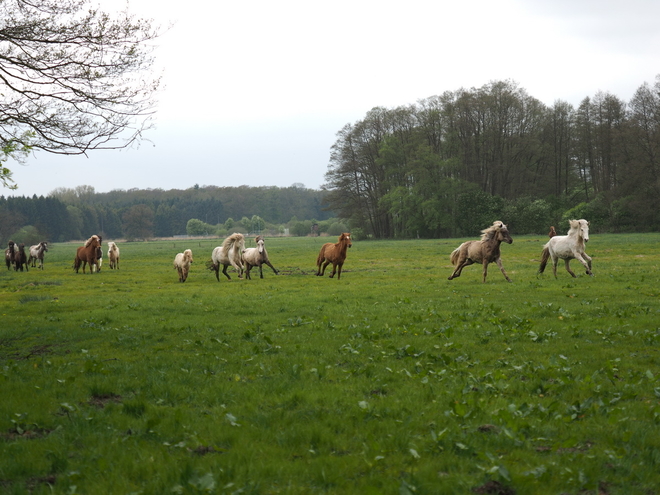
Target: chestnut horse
(88, 254)
(484, 251)
(335, 254)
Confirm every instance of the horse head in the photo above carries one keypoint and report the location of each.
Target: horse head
(503, 234)
(346, 239)
(579, 228)
(187, 255)
(260, 245)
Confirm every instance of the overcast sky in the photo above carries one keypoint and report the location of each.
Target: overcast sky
(255, 92)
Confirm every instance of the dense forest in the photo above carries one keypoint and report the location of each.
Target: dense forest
(68, 214)
(446, 166)
(451, 164)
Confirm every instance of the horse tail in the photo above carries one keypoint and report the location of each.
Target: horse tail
(454, 255)
(545, 256)
(321, 256)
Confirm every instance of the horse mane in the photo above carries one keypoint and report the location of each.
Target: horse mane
(91, 239)
(575, 230)
(230, 241)
(488, 233)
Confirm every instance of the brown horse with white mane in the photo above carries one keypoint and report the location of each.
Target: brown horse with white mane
(335, 254)
(484, 251)
(20, 258)
(88, 254)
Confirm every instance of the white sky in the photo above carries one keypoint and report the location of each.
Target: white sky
(255, 92)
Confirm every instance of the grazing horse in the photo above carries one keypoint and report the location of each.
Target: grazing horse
(10, 253)
(20, 258)
(257, 256)
(182, 262)
(484, 251)
(88, 254)
(552, 232)
(113, 255)
(568, 247)
(230, 253)
(37, 254)
(335, 254)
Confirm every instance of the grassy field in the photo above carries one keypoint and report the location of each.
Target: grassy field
(392, 380)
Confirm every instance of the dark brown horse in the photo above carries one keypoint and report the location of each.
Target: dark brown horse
(88, 254)
(335, 254)
(20, 258)
(484, 251)
(9, 254)
(552, 232)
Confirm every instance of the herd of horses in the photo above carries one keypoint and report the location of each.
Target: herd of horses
(233, 253)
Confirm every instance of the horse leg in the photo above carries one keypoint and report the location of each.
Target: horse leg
(322, 267)
(248, 267)
(334, 269)
(272, 267)
(261, 270)
(586, 262)
(485, 264)
(459, 268)
(224, 270)
(339, 270)
(499, 263)
(568, 268)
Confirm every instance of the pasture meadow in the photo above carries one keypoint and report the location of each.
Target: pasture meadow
(392, 380)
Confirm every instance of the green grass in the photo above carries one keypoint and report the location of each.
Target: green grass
(391, 380)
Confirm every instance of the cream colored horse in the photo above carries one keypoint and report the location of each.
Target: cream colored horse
(182, 262)
(230, 253)
(568, 247)
(257, 256)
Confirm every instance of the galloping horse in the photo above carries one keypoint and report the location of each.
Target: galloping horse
(37, 254)
(10, 253)
(484, 251)
(230, 253)
(568, 247)
(88, 254)
(182, 262)
(335, 254)
(20, 258)
(257, 256)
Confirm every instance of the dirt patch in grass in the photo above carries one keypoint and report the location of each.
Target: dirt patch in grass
(100, 401)
(493, 487)
(25, 434)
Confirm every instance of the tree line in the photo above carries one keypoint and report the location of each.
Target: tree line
(450, 165)
(76, 213)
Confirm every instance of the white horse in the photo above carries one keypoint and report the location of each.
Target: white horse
(37, 254)
(257, 256)
(182, 262)
(568, 247)
(230, 253)
(113, 255)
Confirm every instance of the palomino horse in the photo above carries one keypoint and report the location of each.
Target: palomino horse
(230, 253)
(10, 252)
(568, 247)
(335, 254)
(257, 256)
(484, 251)
(88, 254)
(113, 255)
(182, 262)
(37, 254)
(20, 258)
